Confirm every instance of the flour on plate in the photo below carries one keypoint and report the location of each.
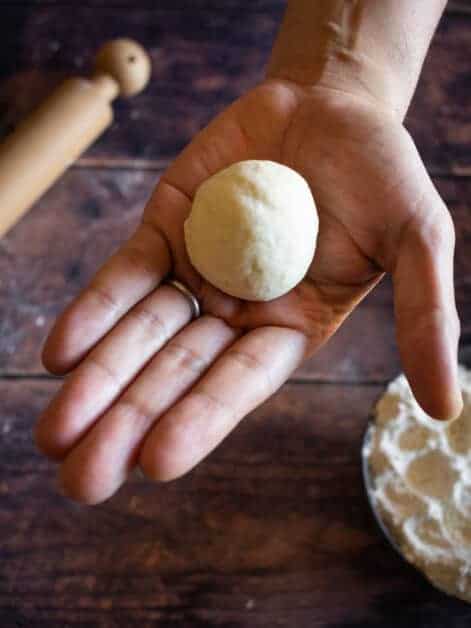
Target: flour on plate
(421, 472)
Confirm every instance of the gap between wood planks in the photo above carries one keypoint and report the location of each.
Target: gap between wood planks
(159, 165)
(299, 381)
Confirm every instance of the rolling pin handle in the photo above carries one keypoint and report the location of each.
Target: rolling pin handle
(106, 85)
(53, 136)
(127, 63)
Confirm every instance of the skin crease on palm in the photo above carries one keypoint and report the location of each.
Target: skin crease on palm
(148, 388)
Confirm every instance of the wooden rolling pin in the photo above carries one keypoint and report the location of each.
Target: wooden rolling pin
(46, 143)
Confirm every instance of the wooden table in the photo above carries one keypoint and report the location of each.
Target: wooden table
(274, 528)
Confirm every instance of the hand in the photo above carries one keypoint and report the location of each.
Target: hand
(150, 388)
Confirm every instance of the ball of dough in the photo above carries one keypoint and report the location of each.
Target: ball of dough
(252, 230)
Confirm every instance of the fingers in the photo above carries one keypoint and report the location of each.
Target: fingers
(251, 370)
(98, 466)
(427, 323)
(128, 276)
(109, 368)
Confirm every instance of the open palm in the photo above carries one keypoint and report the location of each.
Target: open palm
(150, 387)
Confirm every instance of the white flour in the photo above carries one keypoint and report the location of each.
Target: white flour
(422, 484)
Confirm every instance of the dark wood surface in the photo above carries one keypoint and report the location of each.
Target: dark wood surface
(202, 60)
(273, 529)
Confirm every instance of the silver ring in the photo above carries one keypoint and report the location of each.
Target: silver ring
(192, 300)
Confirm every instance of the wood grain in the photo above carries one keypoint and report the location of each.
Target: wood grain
(272, 530)
(52, 253)
(203, 60)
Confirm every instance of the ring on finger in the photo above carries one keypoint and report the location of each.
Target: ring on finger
(190, 297)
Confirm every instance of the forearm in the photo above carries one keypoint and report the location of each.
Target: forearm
(376, 47)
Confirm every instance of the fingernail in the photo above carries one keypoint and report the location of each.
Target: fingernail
(455, 398)
(456, 406)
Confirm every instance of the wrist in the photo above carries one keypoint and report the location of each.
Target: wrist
(365, 47)
(356, 73)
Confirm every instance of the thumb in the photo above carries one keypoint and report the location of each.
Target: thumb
(426, 318)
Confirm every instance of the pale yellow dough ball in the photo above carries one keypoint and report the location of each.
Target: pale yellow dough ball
(252, 230)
